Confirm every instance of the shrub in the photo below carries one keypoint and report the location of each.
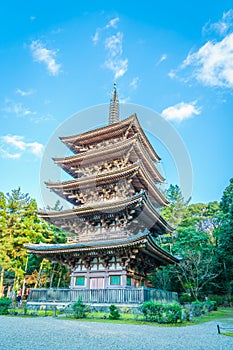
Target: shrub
(211, 305)
(173, 313)
(162, 313)
(185, 298)
(197, 308)
(4, 306)
(114, 312)
(152, 311)
(185, 315)
(79, 309)
(220, 300)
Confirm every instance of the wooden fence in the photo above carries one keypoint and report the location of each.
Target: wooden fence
(102, 296)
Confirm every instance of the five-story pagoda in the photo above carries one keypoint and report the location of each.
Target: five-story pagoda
(114, 221)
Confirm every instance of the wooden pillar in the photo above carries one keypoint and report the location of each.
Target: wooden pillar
(87, 279)
(124, 278)
(106, 278)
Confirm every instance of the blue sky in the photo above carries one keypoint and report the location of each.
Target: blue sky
(175, 58)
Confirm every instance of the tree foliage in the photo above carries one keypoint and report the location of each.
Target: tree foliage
(224, 240)
(20, 225)
(193, 241)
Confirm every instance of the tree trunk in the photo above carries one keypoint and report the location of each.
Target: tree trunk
(59, 279)
(39, 274)
(52, 276)
(1, 283)
(24, 279)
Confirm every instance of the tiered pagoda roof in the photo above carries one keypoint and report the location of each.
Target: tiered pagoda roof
(104, 159)
(136, 172)
(114, 195)
(108, 135)
(143, 245)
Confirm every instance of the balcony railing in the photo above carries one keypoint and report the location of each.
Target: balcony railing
(102, 296)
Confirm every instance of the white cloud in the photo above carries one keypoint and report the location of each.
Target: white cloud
(212, 64)
(6, 154)
(221, 27)
(41, 54)
(17, 142)
(17, 108)
(114, 44)
(162, 58)
(118, 66)
(172, 74)
(111, 24)
(114, 61)
(181, 111)
(134, 83)
(20, 111)
(24, 92)
(43, 118)
(95, 38)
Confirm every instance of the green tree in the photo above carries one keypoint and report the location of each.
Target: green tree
(6, 246)
(19, 225)
(224, 237)
(197, 265)
(174, 212)
(193, 241)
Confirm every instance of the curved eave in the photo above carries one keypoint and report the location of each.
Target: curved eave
(108, 207)
(92, 157)
(112, 207)
(103, 133)
(97, 153)
(160, 252)
(152, 212)
(88, 181)
(110, 177)
(145, 139)
(141, 240)
(108, 132)
(72, 247)
(104, 130)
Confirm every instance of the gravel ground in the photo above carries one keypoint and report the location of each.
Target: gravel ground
(49, 333)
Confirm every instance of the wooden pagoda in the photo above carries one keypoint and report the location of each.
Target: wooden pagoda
(115, 220)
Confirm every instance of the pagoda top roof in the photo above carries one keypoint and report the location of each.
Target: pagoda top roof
(139, 240)
(111, 151)
(110, 131)
(112, 206)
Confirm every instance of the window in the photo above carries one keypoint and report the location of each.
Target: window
(115, 280)
(80, 281)
(128, 281)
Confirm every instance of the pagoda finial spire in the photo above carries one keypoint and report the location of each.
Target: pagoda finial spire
(114, 107)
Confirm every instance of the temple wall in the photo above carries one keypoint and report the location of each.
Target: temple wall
(113, 276)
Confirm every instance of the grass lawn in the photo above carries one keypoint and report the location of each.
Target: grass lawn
(222, 314)
(227, 333)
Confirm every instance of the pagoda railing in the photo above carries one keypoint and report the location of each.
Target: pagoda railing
(133, 295)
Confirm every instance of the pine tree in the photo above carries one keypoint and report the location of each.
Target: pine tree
(19, 225)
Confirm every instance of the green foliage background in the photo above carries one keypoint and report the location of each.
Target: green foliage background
(203, 240)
